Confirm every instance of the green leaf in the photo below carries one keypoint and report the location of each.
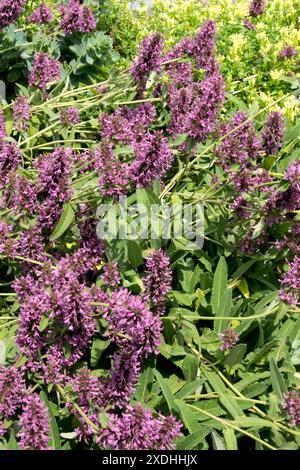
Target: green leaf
(166, 391)
(2, 352)
(64, 222)
(144, 386)
(236, 355)
(2, 90)
(146, 197)
(189, 418)
(192, 440)
(249, 422)
(212, 406)
(278, 384)
(224, 311)
(217, 441)
(56, 443)
(44, 322)
(219, 285)
(12, 442)
(230, 439)
(103, 419)
(98, 348)
(226, 398)
(190, 388)
(179, 140)
(190, 367)
(134, 253)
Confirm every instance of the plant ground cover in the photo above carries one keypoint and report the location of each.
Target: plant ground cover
(149, 342)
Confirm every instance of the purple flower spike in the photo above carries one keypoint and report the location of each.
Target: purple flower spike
(21, 113)
(291, 404)
(153, 158)
(12, 387)
(158, 279)
(111, 274)
(34, 423)
(129, 315)
(290, 284)
(257, 7)
(41, 15)
(10, 10)
(75, 17)
(241, 145)
(137, 429)
(69, 116)
(229, 339)
(248, 25)
(149, 58)
(44, 71)
(288, 52)
(2, 125)
(273, 132)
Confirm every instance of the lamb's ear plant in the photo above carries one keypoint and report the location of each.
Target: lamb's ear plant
(146, 336)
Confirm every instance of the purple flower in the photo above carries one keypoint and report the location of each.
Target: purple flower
(8, 246)
(87, 388)
(250, 245)
(21, 113)
(10, 10)
(57, 297)
(293, 175)
(87, 21)
(202, 47)
(31, 245)
(114, 178)
(206, 106)
(241, 145)
(153, 158)
(251, 178)
(53, 185)
(51, 370)
(240, 206)
(101, 89)
(149, 59)
(181, 102)
(41, 15)
(158, 279)
(127, 125)
(69, 116)
(137, 429)
(75, 17)
(12, 388)
(288, 52)
(10, 158)
(119, 387)
(290, 283)
(257, 7)
(111, 274)
(44, 71)
(2, 125)
(291, 403)
(20, 194)
(290, 240)
(34, 423)
(131, 323)
(91, 250)
(229, 339)
(181, 73)
(273, 132)
(248, 25)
